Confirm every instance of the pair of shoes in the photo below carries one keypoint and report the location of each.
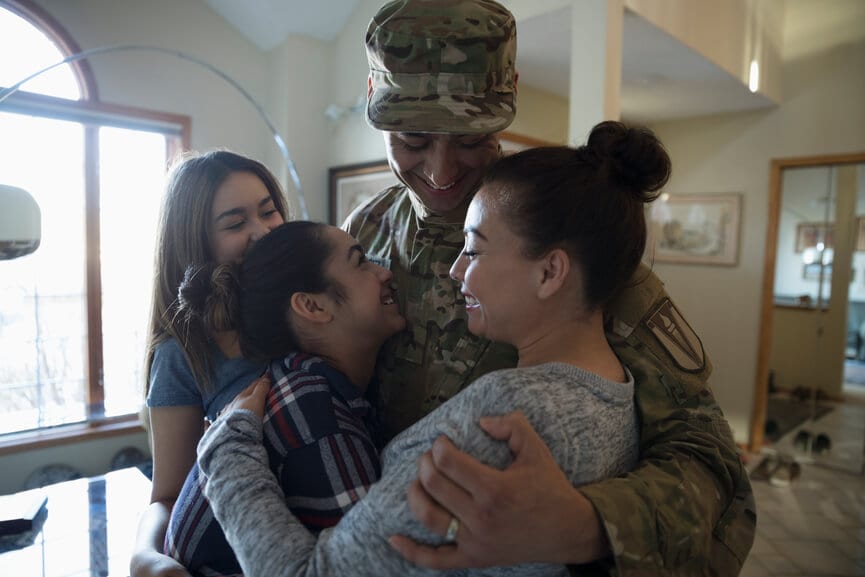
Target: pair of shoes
(818, 443)
(822, 444)
(800, 441)
(785, 474)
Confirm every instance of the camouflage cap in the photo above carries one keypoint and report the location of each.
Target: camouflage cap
(442, 66)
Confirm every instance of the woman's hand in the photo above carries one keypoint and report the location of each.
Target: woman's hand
(528, 512)
(251, 398)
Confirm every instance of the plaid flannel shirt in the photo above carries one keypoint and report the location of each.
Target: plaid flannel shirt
(319, 432)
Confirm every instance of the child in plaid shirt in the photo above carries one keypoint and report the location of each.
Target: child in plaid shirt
(306, 298)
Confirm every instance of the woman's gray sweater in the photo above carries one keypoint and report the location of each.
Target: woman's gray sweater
(588, 423)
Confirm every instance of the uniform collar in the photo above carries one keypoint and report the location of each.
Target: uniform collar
(426, 217)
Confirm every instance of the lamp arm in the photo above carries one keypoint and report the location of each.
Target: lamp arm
(280, 143)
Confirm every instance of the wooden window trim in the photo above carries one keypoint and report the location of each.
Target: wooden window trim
(92, 113)
(101, 113)
(65, 434)
(93, 273)
(56, 33)
(108, 114)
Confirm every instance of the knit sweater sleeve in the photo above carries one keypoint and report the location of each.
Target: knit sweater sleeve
(269, 541)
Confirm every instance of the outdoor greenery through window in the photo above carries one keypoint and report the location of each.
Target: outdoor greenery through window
(73, 315)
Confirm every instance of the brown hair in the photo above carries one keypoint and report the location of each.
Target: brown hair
(183, 239)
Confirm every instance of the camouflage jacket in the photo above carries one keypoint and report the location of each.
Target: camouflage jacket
(687, 509)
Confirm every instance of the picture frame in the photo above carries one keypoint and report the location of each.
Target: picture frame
(695, 229)
(513, 142)
(351, 185)
(808, 234)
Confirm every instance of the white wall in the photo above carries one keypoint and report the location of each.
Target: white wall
(300, 76)
(540, 114)
(90, 458)
(822, 113)
(291, 83)
(352, 140)
(220, 115)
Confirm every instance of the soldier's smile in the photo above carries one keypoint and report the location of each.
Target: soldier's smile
(441, 170)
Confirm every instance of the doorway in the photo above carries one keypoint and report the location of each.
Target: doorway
(813, 295)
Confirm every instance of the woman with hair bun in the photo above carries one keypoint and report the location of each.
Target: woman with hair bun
(551, 237)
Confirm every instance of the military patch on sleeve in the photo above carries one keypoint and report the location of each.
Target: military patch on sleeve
(676, 336)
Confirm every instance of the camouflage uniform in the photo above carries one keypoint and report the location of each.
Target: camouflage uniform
(690, 472)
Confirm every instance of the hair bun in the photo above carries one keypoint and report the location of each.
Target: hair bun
(634, 156)
(194, 289)
(209, 293)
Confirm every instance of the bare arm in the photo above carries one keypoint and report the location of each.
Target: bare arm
(174, 433)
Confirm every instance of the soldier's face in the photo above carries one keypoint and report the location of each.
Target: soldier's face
(496, 278)
(443, 170)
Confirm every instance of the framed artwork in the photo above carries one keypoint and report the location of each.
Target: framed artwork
(808, 234)
(352, 184)
(695, 229)
(513, 142)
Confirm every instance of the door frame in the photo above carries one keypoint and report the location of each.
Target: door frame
(761, 386)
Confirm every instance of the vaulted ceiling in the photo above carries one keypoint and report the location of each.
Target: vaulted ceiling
(662, 78)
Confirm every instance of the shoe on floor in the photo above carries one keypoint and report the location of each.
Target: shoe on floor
(800, 441)
(764, 470)
(822, 443)
(785, 474)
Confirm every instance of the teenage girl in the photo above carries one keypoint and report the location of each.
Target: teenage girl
(216, 206)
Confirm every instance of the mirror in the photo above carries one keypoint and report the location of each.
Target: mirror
(810, 392)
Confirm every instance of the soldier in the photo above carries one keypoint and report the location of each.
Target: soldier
(442, 83)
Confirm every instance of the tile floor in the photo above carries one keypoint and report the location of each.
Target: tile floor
(815, 526)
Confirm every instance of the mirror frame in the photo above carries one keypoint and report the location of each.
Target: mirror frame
(761, 385)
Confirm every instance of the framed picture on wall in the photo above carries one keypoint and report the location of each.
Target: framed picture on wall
(352, 184)
(695, 229)
(808, 234)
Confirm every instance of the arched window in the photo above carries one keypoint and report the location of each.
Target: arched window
(31, 34)
(73, 315)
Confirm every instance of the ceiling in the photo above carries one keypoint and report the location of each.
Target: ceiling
(662, 79)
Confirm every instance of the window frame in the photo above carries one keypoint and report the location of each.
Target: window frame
(92, 114)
